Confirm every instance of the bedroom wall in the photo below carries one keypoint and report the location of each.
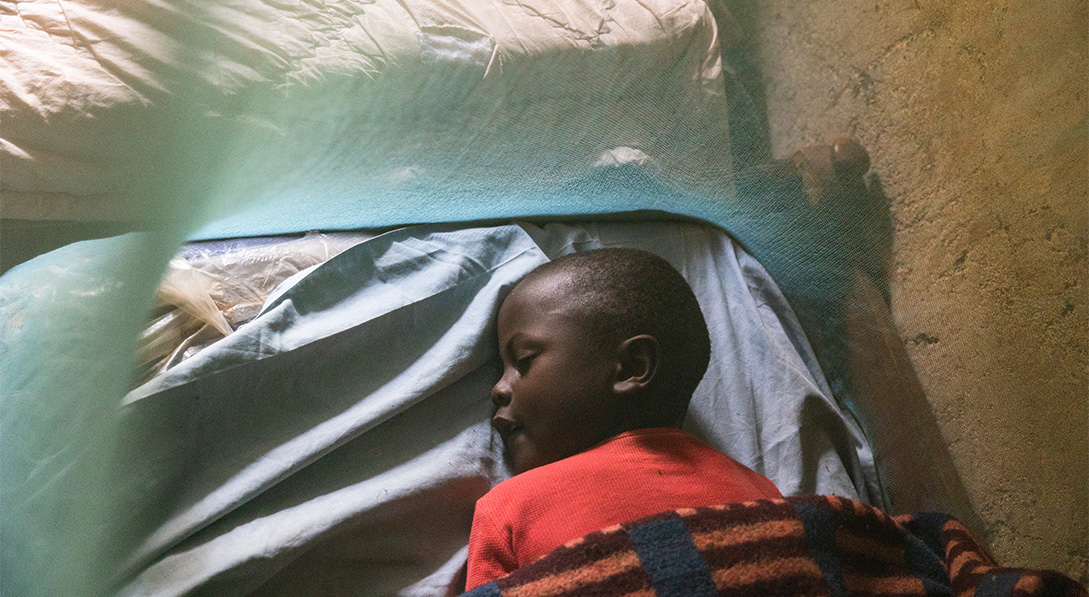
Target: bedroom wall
(975, 116)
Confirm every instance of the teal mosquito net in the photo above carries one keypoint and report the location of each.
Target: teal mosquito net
(951, 271)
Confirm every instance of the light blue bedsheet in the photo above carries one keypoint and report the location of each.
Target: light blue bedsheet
(340, 440)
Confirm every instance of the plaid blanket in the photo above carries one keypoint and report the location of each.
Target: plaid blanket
(810, 545)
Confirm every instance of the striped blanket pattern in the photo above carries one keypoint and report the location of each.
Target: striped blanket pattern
(808, 545)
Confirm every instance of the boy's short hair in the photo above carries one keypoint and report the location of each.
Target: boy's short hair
(626, 292)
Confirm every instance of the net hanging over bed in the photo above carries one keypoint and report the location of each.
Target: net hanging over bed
(889, 198)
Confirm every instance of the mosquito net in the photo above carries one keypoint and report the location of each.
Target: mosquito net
(943, 291)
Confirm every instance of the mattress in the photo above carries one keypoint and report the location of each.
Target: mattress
(295, 116)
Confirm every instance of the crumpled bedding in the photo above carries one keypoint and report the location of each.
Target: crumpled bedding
(809, 545)
(338, 442)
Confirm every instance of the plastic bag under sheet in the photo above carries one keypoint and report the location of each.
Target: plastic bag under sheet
(212, 288)
(341, 438)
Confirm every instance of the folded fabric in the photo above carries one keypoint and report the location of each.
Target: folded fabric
(808, 545)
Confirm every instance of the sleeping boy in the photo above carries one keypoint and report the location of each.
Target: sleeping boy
(601, 353)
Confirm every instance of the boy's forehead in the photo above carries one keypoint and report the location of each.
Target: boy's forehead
(546, 302)
(536, 289)
(549, 275)
(540, 294)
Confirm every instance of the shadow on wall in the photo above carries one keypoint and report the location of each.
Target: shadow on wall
(750, 144)
(824, 230)
(831, 255)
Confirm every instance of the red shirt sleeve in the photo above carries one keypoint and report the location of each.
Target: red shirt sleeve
(491, 554)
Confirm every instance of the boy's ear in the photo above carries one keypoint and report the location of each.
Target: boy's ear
(637, 364)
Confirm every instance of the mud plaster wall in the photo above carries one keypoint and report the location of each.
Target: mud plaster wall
(975, 116)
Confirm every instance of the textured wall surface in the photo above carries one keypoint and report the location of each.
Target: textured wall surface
(975, 116)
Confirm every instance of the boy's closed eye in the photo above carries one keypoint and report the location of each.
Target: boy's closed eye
(521, 364)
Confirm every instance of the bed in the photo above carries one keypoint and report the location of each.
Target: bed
(357, 402)
(334, 441)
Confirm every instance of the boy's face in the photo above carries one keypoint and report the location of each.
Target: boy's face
(555, 398)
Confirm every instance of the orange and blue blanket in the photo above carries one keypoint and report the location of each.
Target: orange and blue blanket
(808, 545)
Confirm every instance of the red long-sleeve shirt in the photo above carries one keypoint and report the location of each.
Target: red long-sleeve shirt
(632, 475)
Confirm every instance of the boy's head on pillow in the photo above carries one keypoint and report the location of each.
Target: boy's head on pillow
(594, 344)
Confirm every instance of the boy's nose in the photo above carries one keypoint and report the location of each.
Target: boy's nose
(501, 393)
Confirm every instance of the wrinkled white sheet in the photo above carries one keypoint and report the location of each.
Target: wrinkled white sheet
(337, 443)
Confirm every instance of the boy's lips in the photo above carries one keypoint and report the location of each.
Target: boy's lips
(506, 427)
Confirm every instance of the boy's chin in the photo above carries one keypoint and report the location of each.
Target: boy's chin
(518, 461)
(521, 455)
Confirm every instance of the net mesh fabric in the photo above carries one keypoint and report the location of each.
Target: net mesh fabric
(191, 120)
